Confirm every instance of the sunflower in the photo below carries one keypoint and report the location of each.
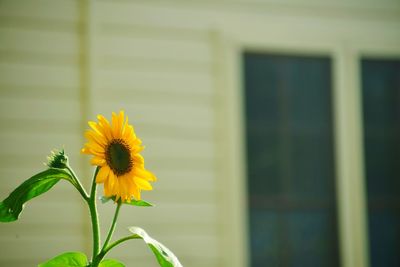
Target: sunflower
(116, 149)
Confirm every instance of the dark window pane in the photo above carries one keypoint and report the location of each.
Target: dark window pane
(290, 161)
(264, 165)
(266, 227)
(310, 230)
(384, 237)
(381, 105)
(311, 159)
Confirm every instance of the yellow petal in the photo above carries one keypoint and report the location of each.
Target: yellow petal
(95, 147)
(98, 161)
(127, 134)
(95, 137)
(87, 149)
(125, 126)
(123, 188)
(96, 153)
(136, 193)
(115, 127)
(135, 145)
(144, 174)
(103, 174)
(137, 159)
(143, 184)
(103, 120)
(96, 127)
(115, 188)
(109, 184)
(137, 149)
(131, 186)
(107, 191)
(105, 126)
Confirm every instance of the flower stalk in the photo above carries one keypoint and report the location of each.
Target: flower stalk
(94, 217)
(113, 224)
(77, 183)
(106, 249)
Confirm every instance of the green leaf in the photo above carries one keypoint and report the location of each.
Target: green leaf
(68, 259)
(138, 203)
(111, 263)
(11, 207)
(164, 256)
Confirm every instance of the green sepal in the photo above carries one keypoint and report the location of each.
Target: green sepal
(138, 203)
(67, 259)
(111, 263)
(11, 207)
(164, 256)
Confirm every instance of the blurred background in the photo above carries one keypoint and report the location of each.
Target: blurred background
(273, 126)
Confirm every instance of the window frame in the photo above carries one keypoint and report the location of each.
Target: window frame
(348, 130)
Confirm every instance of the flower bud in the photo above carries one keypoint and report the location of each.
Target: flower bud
(57, 159)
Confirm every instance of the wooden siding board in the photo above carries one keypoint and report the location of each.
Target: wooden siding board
(40, 41)
(160, 80)
(156, 48)
(60, 10)
(27, 75)
(57, 109)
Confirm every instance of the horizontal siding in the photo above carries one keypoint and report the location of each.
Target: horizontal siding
(124, 46)
(197, 14)
(163, 78)
(46, 42)
(39, 111)
(278, 21)
(139, 14)
(38, 142)
(167, 80)
(50, 245)
(59, 10)
(19, 74)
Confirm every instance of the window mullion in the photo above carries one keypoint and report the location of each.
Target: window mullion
(349, 160)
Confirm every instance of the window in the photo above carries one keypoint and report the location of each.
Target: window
(381, 105)
(290, 161)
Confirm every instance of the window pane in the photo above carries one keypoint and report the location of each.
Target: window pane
(381, 105)
(290, 161)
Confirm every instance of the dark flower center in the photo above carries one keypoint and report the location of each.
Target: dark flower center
(118, 157)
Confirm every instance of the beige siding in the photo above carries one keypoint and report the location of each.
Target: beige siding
(39, 111)
(163, 78)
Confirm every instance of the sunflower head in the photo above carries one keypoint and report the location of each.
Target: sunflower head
(115, 149)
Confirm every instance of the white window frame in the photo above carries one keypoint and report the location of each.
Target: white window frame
(345, 54)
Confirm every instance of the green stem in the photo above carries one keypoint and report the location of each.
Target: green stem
(105, 250)
(94, 217)
(119, 241)
(77, 184)
(113, 224)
